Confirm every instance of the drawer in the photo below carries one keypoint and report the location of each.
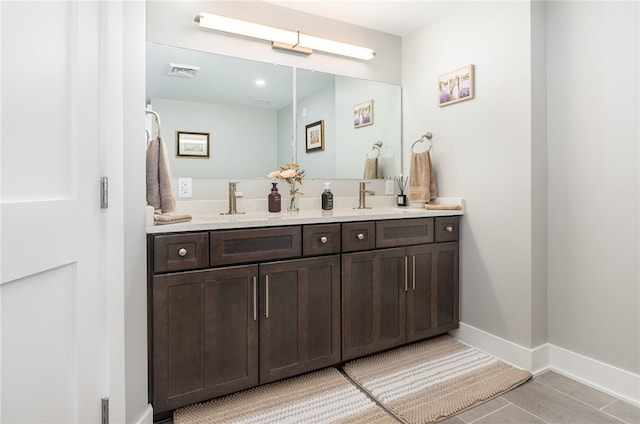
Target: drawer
(358, 236)
(403, 232)
(180, 252)
(447, 228)
(320, 239)
(254, 245)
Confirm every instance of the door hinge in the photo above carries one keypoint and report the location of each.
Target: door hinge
(105, 410)
(104, 192)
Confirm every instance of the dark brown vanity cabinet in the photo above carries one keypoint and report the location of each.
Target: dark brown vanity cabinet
(205, 335)
(248, 318)
(232, 309)
(397, 295)
(299, 316)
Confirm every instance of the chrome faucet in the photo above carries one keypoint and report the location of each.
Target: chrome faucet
(363, 195)
(233, 195)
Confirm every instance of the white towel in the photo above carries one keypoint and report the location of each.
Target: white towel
(159, 191)
(371, 170)
(422, 178)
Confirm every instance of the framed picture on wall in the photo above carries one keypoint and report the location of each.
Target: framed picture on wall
(315, 136)
(363, 114)
(456, 86)
(192, 144)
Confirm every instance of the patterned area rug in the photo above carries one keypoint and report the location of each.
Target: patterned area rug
(324, 396)
(431, 380)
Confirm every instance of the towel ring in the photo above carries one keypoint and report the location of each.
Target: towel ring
(428, 136)
(375, 147)
(156, 117)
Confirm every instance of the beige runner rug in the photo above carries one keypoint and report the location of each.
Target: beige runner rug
(431, 380)
(324, 396)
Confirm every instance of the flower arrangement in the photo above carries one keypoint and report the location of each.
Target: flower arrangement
(292, 174)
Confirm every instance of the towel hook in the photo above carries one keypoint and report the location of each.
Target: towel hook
(428, 136)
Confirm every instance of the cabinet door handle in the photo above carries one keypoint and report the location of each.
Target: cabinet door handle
(449, 228)
(360, 236)
(413, 272)
(182, 252)
(323, 239)
(255, 298)
(266, 296)
(406, 288)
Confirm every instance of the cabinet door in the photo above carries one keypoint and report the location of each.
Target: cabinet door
(432, 295)
(205, 335)
(447, 298)
(373, 302)
(299, 316)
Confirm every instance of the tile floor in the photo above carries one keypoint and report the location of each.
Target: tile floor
(550, 399)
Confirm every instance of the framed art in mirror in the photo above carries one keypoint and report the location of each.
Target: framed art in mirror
(192, 144)
(315, 136)
(363, 114)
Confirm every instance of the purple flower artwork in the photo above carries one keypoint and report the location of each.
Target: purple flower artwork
(456, 86)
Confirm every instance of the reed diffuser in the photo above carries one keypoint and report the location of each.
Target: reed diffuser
(402, 185)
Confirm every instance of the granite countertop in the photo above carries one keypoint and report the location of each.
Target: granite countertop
(208, 215)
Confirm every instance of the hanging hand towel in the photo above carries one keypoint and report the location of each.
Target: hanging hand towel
(159, 192)
(371, 171)
(422, 178)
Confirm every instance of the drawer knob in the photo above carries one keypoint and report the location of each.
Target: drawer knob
(449, 228)
(360, 236)
(182, 251)
(323, 239)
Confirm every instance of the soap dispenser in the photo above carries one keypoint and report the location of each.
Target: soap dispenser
(327, 198)
(274, 198)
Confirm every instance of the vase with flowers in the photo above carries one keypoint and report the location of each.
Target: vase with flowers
(292, 174)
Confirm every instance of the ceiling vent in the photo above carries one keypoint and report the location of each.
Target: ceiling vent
(184, 71)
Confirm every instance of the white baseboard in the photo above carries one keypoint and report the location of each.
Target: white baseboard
(533, 360)
(147, 416)
(609, 379)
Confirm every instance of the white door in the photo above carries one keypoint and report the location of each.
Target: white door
(54, 365)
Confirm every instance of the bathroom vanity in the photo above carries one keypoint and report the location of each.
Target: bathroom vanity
(243, 301)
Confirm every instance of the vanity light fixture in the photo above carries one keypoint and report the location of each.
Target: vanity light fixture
(282, 39)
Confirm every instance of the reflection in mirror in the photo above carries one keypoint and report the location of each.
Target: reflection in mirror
(250, 124)
(350, 146)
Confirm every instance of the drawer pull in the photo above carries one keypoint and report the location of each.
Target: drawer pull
(449, 228)
(323, 239)
(182, 252)
(360, 236)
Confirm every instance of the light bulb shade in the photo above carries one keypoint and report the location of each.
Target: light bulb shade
(280, 38)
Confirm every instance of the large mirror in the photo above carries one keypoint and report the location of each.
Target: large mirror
(250, 124)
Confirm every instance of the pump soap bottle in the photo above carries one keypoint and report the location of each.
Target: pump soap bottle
(274, 198)
(327, 198)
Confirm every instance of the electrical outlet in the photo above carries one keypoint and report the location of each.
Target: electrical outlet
(388, 188)
(184, 187)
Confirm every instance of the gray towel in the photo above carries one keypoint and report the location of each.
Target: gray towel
(371, 170)
(422, 178)
(159, 191)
